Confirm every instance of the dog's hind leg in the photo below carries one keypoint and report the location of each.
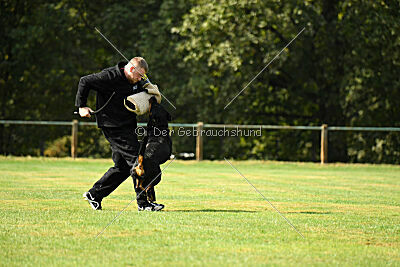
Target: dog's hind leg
(151, 194)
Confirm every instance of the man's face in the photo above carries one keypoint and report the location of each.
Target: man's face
(135, 73)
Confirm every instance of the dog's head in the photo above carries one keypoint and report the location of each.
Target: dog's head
(158, 114)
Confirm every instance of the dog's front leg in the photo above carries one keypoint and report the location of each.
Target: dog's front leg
(139, 168)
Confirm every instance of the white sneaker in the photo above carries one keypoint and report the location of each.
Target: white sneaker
(151, 207)
(96, 205)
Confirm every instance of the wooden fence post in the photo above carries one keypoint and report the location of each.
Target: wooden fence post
(74, 139)
(199, 142)
(324, 143)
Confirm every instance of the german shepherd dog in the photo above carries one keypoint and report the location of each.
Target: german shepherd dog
(155, 150)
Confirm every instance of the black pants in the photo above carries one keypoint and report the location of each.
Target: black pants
(158, 151)
(124, 147)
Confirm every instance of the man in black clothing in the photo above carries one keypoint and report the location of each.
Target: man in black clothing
(112, 86)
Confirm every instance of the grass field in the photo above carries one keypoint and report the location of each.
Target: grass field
(349, 215)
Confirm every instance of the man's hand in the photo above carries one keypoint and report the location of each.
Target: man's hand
(85, 112)
(153, 90)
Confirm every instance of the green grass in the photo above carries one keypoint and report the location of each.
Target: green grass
(349, 215)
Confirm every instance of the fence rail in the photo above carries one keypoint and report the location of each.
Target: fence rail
(200, 126)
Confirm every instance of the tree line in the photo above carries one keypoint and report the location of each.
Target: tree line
(342, 70)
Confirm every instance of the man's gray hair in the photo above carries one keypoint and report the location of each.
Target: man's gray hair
(141, 62)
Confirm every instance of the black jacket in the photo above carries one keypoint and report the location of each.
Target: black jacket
(106, 82)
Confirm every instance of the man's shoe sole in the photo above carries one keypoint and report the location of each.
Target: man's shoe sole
(151, 208)
(94, 204)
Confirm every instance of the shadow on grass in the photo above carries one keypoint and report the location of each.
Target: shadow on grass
(211, 210)
(309, 212)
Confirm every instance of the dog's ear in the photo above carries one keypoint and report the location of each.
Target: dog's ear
(169, 116)
(152, 100)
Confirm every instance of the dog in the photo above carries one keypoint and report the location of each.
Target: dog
(155, 150)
